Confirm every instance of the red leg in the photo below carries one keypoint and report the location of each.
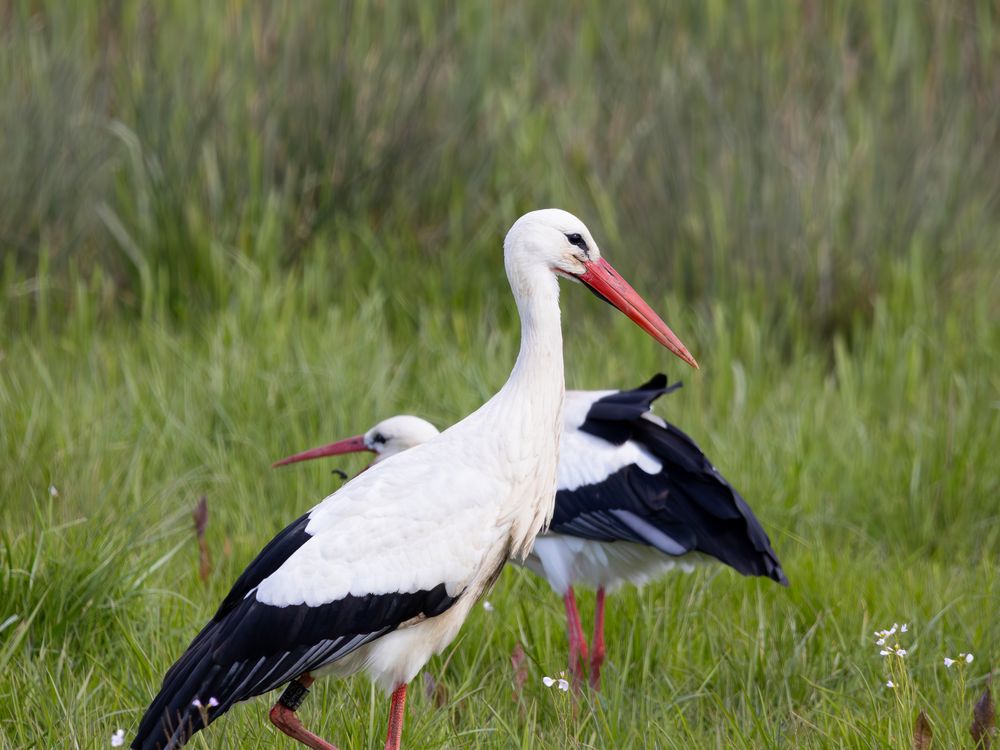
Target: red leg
(577, 641)
(397, 709)
(283, 715)
(597, 655)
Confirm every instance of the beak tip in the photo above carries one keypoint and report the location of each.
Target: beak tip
(682, 353)
(607, 284)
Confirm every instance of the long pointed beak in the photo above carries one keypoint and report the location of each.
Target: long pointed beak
(354, 444)
(607, 284)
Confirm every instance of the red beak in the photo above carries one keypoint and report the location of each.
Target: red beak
(609, 286)
(350, 445)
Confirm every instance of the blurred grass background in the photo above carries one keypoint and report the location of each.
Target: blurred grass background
(163, 154)
(234, 230)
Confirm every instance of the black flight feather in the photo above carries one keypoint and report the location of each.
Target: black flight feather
(250, 647)
(688, 506)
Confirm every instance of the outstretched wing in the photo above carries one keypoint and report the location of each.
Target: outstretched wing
(631, 476)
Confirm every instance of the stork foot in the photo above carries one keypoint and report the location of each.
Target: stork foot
(283, 715)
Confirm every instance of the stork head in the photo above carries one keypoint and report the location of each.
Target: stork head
(387, 438)
(397, 434)
(558, 241)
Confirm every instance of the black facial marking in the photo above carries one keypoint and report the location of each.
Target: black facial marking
(576, 239)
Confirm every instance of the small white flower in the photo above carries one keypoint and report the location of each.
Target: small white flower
(969, 658)
(53, 492)
(890, 684)
(213, 702)
(564, 685)
(903, 628)
(118, 738)
(900, 651)
(884, 652)
(487, 605)
(948, 662)
(880, 642)
(548, 681)
(197, 703)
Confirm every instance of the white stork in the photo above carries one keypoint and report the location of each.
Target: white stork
(636, 497)
(380, 575)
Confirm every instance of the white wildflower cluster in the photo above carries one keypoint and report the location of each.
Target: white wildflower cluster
(560, 682)
(882, 636)
(212, 703)
(967, 658)
(889, 643)
(118, 738)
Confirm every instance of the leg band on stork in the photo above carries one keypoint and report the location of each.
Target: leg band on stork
(293, 696)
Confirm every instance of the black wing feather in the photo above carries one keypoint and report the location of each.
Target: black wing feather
(687, 507)
(268, 560)
(610, 418)
(250, 648)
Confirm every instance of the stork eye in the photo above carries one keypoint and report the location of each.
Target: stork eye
(575, 239)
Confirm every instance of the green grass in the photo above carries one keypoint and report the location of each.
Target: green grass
(231, 233)
(874, 472)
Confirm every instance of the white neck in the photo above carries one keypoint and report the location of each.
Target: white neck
(527, 411)
(536, 384)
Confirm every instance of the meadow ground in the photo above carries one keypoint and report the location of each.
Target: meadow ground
(195, 283)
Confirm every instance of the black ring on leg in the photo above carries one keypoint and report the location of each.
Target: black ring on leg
(293, 696)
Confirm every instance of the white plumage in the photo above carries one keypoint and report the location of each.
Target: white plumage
(588, 459)
(381, 574)
(636, 498)
(566, 561)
